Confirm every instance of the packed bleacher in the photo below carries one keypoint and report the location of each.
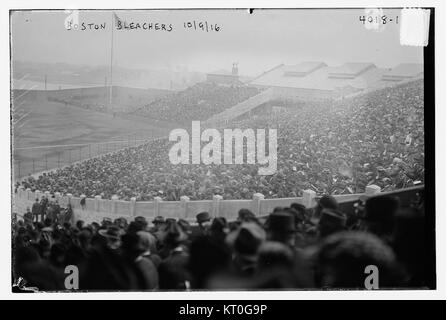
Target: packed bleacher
(198, 102)
(292, 248)
(329, 147)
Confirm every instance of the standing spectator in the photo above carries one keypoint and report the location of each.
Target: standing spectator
(204, 222)
(43, 207)
(28, 217)
(36, 210)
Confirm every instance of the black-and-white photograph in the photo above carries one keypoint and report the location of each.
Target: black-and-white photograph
(222, 149)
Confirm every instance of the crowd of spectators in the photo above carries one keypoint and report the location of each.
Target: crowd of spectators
(292, 248)
(198, 102)
(329, 147)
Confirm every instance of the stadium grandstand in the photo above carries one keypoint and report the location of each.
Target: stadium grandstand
(349, 191)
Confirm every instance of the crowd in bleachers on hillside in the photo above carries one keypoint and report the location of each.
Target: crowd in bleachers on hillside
(329, 147)
(292, 248)
(199, 102)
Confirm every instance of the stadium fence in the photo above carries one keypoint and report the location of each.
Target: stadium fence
(96, 209)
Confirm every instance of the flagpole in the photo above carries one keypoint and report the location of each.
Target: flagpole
(111, 62)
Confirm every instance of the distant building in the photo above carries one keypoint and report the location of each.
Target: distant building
(225, 77)
(315, 80)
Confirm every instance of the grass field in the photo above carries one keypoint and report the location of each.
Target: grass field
(48, 134)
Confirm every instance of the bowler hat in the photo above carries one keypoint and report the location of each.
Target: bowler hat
(112, 232)
(203, 217)
(247, 239)
(333, 217)
(281, 222)
(328, 202)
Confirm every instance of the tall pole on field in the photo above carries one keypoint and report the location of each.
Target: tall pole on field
(111, 61)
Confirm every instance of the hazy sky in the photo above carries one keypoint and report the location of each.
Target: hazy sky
(258, 41)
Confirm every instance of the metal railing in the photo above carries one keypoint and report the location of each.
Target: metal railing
(58, 156)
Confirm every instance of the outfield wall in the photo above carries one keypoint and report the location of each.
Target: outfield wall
(96, 209)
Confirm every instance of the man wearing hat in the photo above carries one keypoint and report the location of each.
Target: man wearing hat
(325, 202)
(281, 227)
(379, 216)
(158, 222)
(204, 222)
(331, 221)
(113, 236)
(36, 210)
(28, 216)
(245, 241)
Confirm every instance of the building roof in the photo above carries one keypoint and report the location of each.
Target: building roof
(405, 70)
(351, 69)
(319, 76)
(303, 68)
(355, 75)
(222, 72)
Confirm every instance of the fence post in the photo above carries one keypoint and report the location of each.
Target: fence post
(114, 203)
(133, 206)
(69, 196)
(184, 200)
(256, 199)
(97, 199)
(157, 201)
(37, 194)
(308, 199)
(20, 190)
(216, 200)
(28, 193)
(372, 189)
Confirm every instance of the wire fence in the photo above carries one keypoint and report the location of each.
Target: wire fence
(62, 155)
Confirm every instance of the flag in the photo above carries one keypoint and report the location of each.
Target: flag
(118, 22)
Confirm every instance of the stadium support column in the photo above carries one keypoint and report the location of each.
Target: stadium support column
(256, 201)
(216, 200)
(308, 199)
(184, 200)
